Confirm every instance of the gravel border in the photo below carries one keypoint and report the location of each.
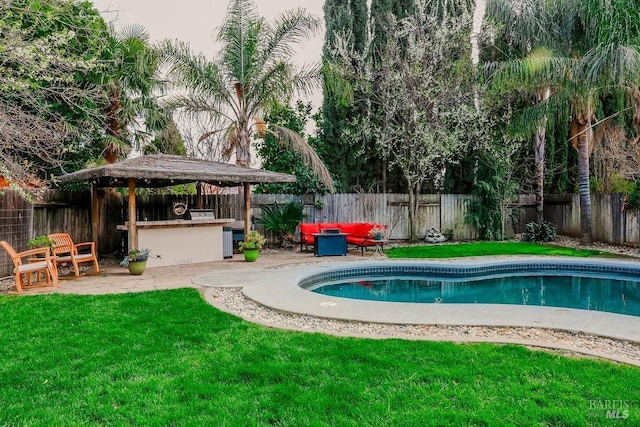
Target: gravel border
(231, 300)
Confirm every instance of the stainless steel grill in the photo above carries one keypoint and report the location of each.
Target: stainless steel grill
(202, 214)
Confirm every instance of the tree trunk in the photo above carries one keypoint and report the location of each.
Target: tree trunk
(242, 131)
(581, 130)
(243, 149)
(413, 209)
(243, 158)
(385, 166)
(113, 128)
(540, 158)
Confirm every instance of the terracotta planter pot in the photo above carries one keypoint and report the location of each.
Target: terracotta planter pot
(250, 255)
(137, 267)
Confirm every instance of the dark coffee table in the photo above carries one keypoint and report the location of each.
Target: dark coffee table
(330, 244)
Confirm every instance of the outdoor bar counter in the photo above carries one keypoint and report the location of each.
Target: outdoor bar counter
(181, 241)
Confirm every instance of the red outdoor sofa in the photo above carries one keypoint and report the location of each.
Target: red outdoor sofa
(358, 233)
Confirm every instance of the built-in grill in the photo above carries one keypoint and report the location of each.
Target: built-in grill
(201, 214)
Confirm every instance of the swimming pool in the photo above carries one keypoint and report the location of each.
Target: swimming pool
(287, 289)
(605, 287)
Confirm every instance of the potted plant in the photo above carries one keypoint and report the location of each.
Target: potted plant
(252, 244)
(136, 260)
(378, 233)
(41, 241)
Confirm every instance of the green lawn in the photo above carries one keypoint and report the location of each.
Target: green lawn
(169, 358)
(491, 248)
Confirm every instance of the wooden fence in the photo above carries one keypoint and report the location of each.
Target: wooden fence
(70, 212)
(16, 226)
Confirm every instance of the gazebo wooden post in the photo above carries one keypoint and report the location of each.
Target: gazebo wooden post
(198, 195)
(247, 208)
(133, 229)
(95, 214)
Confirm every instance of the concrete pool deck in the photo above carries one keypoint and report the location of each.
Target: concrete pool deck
(278, 289)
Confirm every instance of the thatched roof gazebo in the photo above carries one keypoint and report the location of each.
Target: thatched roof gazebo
(161, 170)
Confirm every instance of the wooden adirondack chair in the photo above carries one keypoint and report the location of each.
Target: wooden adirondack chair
(28, 263)
(65, 251)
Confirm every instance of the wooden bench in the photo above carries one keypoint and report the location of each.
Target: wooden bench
(33, 261)
(65, 251)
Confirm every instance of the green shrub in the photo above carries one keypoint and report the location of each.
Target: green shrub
(633, 199)
(448, 234)
(540, 232)
(282, 220)
(620, 185)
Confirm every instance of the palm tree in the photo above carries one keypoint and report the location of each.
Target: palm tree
(251, 73)
(610, 32)
(530, 31)
(132, 82)
(598, 54)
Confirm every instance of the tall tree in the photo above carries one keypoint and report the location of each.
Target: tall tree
(49, 51)
(422, 96)
(342, 148)
(133, 85)
(278, 159)
(523, 39)
(599, 45)
(609, 30)
(251, 74)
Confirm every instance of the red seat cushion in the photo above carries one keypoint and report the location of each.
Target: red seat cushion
(307, 230)
(352, 228)
(358, 232)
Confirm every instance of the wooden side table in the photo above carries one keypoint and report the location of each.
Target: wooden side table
(378, 246)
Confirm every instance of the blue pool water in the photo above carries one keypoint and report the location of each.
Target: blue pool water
(611, 293)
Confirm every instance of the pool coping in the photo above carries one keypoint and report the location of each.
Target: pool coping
(278, 289)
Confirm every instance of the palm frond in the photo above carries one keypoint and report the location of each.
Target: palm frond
(239, 14)
(526, 23)
(307, 79)
(239, 34)
(336, 84)
(526, 122)
(197, 74)
(288, 29)
(299, 145)
(193, 105)
(610, 22)
(133, 32)
(609, 64)
(538, 68)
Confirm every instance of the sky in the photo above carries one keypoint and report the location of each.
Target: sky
(196, 22)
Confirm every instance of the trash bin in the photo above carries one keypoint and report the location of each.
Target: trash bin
(227, 242)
